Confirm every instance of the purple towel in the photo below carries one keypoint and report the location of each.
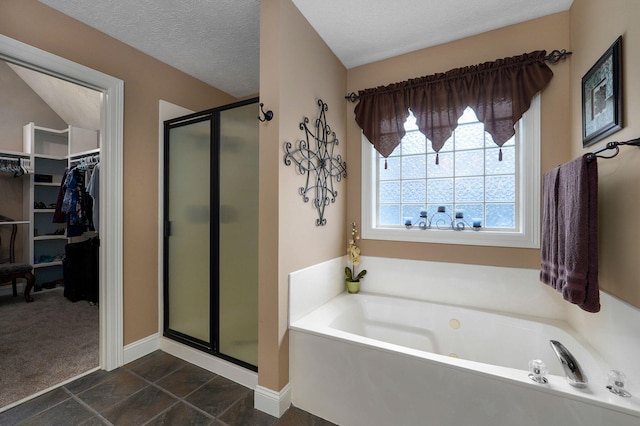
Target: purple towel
(570, 232)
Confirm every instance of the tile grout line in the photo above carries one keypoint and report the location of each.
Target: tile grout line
(179, 399)
(161, 412)
(127, 397)
(187, 395)
(184, 401)
(232, 405)
(101, 381)
(90, 408)
(43, 410)
(184, 364)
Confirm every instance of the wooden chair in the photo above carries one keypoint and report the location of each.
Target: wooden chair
(10, 270)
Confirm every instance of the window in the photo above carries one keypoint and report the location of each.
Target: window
(469, 180)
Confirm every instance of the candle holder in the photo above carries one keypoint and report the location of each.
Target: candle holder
(442, 220)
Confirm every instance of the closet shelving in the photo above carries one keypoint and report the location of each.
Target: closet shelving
(51, 152)
(12, 183)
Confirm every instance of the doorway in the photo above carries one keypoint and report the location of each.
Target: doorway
(210, 232)
(110, 269)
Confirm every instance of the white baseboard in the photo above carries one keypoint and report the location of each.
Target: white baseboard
(272, 402)
(142, 347)
(214, 364)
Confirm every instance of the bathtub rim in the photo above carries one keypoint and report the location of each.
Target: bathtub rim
(595, 393)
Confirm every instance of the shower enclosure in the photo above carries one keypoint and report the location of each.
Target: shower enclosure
(211, 231)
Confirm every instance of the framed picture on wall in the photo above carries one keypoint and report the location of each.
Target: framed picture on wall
(602, 96)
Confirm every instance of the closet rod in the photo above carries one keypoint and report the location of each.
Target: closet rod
(612, 145)
(87, 157)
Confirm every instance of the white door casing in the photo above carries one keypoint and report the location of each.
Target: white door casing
(111, 214)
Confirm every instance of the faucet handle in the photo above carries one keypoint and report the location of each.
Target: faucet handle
(537, 371)
(617, 381)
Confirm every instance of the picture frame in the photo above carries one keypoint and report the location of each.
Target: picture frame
(602, 96)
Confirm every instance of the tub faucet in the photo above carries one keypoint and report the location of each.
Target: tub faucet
(572, 369)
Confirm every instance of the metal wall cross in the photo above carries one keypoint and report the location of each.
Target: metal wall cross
(314, 158)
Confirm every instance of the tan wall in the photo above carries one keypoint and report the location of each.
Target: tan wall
(146, 81)
(549, 33)
(296, 69)
(595, 25)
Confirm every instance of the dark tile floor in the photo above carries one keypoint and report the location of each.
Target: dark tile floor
(158, 389)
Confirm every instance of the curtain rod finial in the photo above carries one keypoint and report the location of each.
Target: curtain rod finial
(352, 97)
(556, 55)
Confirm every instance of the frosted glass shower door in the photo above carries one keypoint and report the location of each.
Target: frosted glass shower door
(211, 231)
(188, 237)
(238, 233)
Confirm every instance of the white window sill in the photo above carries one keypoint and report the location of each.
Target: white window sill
(447, 236)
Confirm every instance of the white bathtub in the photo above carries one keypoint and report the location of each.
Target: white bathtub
(371, 359)
(429, 329)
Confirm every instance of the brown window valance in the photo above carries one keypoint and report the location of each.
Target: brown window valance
(499, 92)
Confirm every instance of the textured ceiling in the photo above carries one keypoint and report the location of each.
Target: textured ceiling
(217, 41)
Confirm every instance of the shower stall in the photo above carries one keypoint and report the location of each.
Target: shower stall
(211, 231)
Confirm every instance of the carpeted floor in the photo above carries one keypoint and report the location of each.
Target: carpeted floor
(44, 343)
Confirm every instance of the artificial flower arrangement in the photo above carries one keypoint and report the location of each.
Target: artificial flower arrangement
(353, 252)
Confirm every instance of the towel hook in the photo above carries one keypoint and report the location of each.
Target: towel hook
(268, 116)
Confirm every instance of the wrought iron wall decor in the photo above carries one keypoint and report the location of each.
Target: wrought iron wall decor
(314, 157)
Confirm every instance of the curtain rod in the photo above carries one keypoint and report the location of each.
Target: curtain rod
(612, 145)
(554, 57)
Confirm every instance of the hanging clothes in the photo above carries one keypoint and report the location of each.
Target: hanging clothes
(58, 214)
(74, 204)
(93, 188)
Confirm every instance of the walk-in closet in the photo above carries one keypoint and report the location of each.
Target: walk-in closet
(49, 230)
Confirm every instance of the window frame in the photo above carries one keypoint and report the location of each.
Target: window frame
(527, 209)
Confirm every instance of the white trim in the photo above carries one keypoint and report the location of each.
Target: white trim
(528, 210)
(209, 362)
(272, 402)
(142, 347)
(111, 316)
(47, 390)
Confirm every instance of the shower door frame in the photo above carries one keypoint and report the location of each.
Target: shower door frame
(212, 347)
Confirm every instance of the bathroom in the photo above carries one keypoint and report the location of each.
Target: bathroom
(584, 26)
(294, 55)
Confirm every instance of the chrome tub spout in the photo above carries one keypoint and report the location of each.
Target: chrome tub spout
(575, 375)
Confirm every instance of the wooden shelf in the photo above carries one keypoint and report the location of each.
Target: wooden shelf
(47, 264)
(84, 153)
(14, 153)
(47, 183)
(49, 157)
(49, 237)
